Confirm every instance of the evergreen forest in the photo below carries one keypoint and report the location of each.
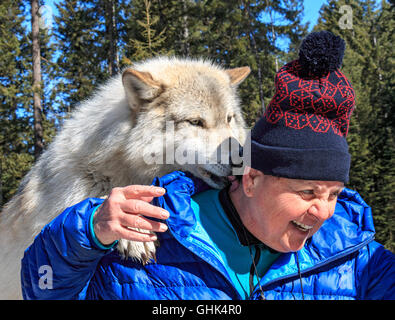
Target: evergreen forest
(53, 59)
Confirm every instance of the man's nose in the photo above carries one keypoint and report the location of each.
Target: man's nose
(320, 209)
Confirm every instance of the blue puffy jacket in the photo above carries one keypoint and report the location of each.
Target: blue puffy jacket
(341, 260)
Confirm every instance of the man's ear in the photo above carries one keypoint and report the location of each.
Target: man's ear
(139, 86)
(237, 75)
(250, 181)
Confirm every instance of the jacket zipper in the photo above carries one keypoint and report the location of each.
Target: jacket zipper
(196, 252)
(319, 265)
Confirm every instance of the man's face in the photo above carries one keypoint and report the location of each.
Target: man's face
(284, 213)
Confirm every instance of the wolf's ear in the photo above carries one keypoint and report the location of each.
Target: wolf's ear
(139, 86)
(237, 75)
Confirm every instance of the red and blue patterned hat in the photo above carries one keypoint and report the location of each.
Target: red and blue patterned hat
(302, 134)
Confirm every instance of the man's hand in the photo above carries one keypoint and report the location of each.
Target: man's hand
(127, 208)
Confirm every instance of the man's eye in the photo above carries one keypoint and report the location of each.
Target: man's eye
(307, 194)
(334, 195)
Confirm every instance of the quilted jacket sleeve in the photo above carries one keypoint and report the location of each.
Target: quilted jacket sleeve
(63, 257)
(377, 277)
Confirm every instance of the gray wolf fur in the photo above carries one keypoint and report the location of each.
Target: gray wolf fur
(106, 143)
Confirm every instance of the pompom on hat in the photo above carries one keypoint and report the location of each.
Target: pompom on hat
(302, 134)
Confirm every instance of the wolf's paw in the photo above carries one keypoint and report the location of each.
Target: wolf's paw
(140, 251)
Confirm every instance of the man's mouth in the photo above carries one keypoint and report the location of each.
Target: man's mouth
(301, 226)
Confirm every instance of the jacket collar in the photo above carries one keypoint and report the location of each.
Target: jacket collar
(246, 238)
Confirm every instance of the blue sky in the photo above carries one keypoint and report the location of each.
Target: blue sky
(310, 14)
(311, 11)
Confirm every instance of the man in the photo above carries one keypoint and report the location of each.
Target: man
(287, 230)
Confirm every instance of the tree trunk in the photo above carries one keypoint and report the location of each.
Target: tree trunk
(38, 127)
(247, 15)
(111, 37)
(185, 34)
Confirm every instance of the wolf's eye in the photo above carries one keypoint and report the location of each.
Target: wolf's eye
(196, 122)
(229, 118)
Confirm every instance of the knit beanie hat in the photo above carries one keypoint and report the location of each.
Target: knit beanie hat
(302, 134)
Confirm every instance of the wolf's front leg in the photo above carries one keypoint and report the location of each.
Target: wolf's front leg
(140, 251)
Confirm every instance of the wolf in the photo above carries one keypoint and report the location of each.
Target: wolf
(155, 117)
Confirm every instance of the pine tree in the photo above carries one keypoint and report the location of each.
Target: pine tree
(382, 140)
(89, 36)
(15, 131)
(149, 42)
(82, 61)
(16, 92)
(182, 22)
(368, 63)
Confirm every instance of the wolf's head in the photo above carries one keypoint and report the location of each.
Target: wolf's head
(186, 116)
